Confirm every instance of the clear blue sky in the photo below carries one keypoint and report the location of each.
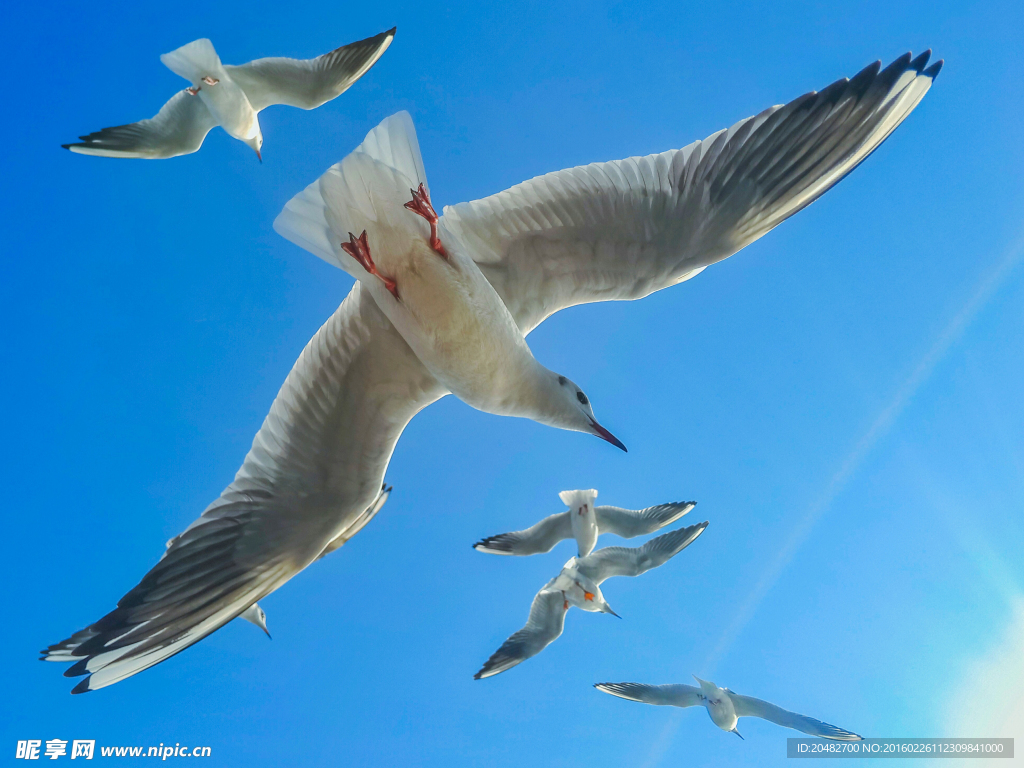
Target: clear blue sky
(843, 398)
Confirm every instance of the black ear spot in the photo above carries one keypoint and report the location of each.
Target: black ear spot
(562, 380)
(582, 398)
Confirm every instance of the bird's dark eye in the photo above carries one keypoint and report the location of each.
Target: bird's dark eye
(561, 380)
(582, 398)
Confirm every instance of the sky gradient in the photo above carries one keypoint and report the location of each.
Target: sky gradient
(842, 398)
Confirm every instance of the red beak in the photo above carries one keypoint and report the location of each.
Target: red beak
(259, 157)
(604, 434)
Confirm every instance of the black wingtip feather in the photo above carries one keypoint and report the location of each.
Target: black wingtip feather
(77, 669)
(922, 59)
(492, 543)
(933, 70)
(82, 687)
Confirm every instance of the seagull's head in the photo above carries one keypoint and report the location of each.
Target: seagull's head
(256, 615)
(573, 411)
(586, 594)
(256, 143)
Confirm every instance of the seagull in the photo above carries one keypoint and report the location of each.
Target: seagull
(232, 97)
(543, 536)
(256, 615)
(724, 706)
(608, 231)
(579, 584)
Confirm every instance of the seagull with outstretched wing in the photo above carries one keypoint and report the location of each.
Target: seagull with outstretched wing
(232, 97)
(543, 536)
(724, 706)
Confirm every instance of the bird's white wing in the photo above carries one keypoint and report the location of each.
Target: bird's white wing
(632, 561)
(547, 618)
(308, 83)
(668, 695)
(314, 469)
(624, 229)
(747, 706)
(179, 128)
(534, 540)
(629, 523)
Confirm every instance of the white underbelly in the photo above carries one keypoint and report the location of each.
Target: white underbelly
(228, 104)
(456, 324)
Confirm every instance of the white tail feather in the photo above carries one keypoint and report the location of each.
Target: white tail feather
(367, 190)
(573, 499)
(193, 61)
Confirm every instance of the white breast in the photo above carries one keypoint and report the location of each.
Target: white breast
(455, 323)
(228, 104)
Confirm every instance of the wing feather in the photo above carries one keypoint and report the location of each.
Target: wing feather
(629, 523)
(633, 561)
(624, 229)
(311, 480)
(536, 539)
(748, 706)
(179, 128)
(547, 618)
(308, 83)
(662, 695)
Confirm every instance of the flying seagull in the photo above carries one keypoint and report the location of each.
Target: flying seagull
(583, 521)
(608, 231)
(579, 584)
(724, 706)
(232, 97)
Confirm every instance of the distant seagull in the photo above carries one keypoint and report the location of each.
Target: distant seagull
(724, 706)
(579, 584)
(584, 521)
(232, 96)
(255, 615)
(452, 318)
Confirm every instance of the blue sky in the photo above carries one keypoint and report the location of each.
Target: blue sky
(842, 398)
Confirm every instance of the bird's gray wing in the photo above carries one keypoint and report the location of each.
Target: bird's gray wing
(629, 523)
(179, 128)
(308, 83)
(534, 540)
(314, 469)
(632, 561)
(747, 706)
(670, 695)
(624, 229)
(547, 618)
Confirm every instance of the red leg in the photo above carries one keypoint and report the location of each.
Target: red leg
(420, 204)
(210, 80)
(358, 249)
(192, 91)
